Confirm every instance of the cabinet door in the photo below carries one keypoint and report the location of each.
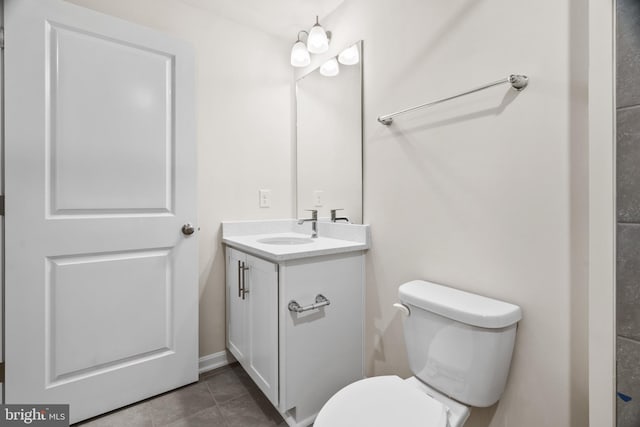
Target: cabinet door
(262, 319)
(236, 308)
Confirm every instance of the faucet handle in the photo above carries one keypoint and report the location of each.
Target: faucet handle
(314, 213)
(334, 212)
(334, 217)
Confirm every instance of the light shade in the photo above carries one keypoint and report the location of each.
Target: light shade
(300, 55)
(330, 68)
(317, 42)
(349, 56)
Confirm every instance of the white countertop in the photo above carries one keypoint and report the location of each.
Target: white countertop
(337, 238)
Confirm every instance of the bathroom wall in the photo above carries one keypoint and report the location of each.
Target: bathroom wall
(487, 193)
(243, 86)
(628, 211)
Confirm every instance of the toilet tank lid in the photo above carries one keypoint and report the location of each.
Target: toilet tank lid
(465, 307)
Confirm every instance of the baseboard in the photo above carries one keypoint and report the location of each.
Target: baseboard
(215, 360)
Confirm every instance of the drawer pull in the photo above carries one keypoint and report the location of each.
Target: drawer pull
(321, 301)
(242, 289)
(240, 274)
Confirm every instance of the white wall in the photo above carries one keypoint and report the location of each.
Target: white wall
(243, 86)
(487, 193)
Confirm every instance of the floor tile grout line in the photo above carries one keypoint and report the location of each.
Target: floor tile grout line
(244, 394)
(215, 402)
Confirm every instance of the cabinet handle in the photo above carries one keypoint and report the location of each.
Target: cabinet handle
(321, 301)
(239, 278)
(244, 290)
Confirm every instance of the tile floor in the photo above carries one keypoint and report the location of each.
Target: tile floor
(225, 397)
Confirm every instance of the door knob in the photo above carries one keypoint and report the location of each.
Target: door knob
(188, 229)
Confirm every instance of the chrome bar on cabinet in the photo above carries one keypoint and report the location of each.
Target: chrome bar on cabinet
(517, 81)
(243, 289)
(240, 274)
(321, 301)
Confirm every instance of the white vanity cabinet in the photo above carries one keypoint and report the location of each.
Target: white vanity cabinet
(252, 318)
(298, 359)
(321, 350)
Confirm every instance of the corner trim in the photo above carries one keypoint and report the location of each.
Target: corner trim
(602, 213)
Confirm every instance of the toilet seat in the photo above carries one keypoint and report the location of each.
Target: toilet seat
(382, 402)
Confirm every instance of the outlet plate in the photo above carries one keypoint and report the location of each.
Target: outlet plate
(264, 197)
(318, 197)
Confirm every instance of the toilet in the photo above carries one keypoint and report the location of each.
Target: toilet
(459, 346)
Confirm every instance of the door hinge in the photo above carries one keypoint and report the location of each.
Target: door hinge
(1, 205)
(1, 37)
(2, 372)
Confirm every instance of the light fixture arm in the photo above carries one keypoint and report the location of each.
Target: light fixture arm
(300, 32)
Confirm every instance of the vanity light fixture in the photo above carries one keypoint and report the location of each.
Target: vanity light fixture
(349, 56)
(330, 68)
(318, 41)
(299, 54)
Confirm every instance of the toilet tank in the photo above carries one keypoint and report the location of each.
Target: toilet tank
(459, 343)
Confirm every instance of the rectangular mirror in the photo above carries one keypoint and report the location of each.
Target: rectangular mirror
(329, 138)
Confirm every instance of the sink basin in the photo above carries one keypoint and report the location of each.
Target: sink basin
(286, 240)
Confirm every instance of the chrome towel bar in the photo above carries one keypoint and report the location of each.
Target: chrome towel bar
(321, 301)
(517, 81)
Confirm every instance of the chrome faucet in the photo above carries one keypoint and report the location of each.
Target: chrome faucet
(314, 222)
(333, 216)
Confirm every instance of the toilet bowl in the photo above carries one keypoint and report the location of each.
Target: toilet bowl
(390, 401)
(459, 346)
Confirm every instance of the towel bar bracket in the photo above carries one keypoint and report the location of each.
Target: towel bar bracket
(518, 81)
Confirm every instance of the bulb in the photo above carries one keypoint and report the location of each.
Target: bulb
(349, 56)
(317, 41)
(300, 55)
(330, 68)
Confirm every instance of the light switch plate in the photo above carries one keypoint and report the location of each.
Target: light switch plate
(264, 198)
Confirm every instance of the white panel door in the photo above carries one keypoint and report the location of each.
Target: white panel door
(101, 282)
